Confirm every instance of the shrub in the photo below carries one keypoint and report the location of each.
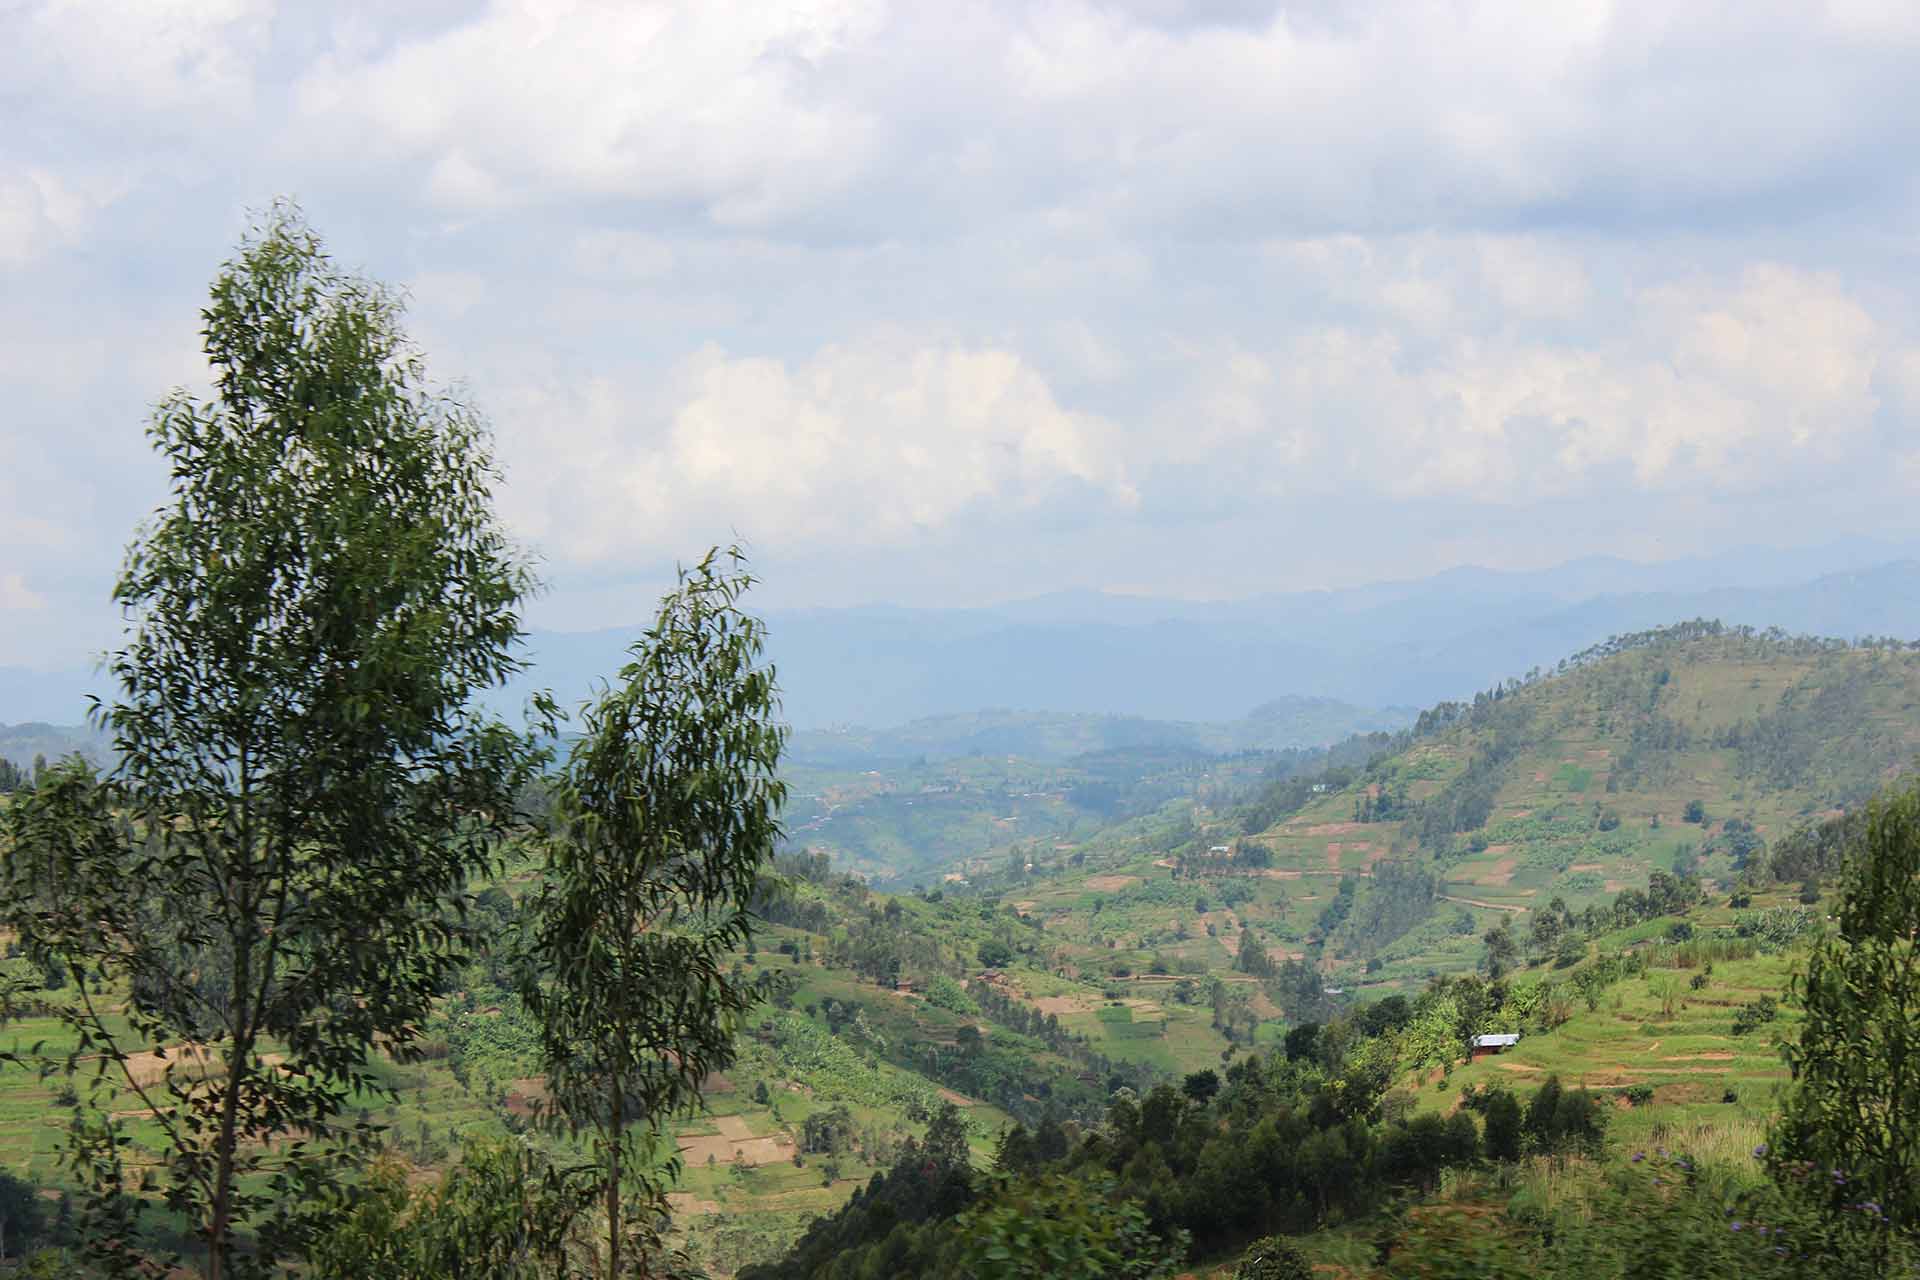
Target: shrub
(1273, 1258)
(1753, 1014)
(1060, 1228)
(944, 993)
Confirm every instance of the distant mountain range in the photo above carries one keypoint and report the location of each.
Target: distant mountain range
(1395, 644)
(1054, 736)
(21, 743)
(1384, 645)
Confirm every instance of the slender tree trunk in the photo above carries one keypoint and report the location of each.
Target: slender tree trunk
(613, 1182)
(222, 1207)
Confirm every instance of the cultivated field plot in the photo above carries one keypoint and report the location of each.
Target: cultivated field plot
(1690, 1058)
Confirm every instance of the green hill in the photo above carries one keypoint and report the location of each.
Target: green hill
(1690, 751)
(1220, 904)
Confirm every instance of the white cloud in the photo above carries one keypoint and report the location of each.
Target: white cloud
(1726, 385)
(531, 103)
(1217, 117)
(41, 211)
(868, 443)
(873, 277)
(140, 63)
(15, 594)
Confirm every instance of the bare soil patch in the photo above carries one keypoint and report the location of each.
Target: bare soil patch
(1058, 1005)
(1711, 1055)
(1586, 866)
(1111, 884)
(734, 1127)
(1334, 828)
(1518, 1066)
(1502, 872)
(958, 1099)
(524, 1096)
(754, 1151)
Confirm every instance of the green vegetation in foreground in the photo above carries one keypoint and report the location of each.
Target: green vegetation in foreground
(1502, 1167)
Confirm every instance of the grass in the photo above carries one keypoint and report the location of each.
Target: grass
(1657, 1031)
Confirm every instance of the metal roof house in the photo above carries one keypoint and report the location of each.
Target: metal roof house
(1480, 1046)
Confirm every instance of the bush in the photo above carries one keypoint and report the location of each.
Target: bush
(1060, 1228)
(1753, 1014)
(1273, 1258)
(1505, 1132)
(944, 993)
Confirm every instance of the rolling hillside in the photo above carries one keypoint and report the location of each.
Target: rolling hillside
(1688, 751)
(1575, 808)
(1199, 923)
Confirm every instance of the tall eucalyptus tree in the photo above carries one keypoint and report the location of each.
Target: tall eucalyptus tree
(664, 819)
(261, 891)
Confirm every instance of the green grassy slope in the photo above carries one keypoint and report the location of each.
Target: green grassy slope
(1579, 786)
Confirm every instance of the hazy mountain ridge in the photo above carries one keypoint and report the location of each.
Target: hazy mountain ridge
(20, 743)
(1059, 736)
(1407, 643)
(1383, 645)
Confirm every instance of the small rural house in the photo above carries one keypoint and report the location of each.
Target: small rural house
(1483, 1046)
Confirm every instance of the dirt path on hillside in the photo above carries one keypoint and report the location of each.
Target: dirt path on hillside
(1475, 902)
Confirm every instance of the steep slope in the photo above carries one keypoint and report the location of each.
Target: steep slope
(1686, 750)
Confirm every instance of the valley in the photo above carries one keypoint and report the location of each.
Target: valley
(1062, 927)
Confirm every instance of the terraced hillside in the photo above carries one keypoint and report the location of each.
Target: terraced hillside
(1582, 811)
(1688, 751)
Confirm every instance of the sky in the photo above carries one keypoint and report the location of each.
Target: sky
(959, 303)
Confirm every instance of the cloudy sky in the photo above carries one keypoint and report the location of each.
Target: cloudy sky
(963, 302)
